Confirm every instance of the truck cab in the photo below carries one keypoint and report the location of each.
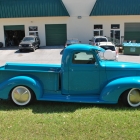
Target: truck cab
(80, 70)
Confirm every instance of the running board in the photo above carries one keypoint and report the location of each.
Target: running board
(71, 98)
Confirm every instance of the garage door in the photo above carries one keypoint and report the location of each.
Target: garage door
(132, 32)
(14, 27)
(56, 34)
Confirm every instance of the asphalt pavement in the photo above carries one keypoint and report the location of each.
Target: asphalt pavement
(51, 55)
(45, 55)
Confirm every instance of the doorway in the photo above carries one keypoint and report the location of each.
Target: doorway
(115, 36)
(13, 35)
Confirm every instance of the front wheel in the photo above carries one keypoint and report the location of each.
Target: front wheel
(33, 49)
(21, 95)
(132, 97)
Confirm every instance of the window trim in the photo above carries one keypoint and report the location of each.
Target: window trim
(71, 61)
(99, 30)
(34, 32)
(115, 28)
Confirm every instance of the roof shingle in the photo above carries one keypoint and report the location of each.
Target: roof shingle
(32, 8)
(116, 7)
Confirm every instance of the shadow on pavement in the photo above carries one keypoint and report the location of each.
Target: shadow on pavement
(61, 52)
(41, 47)
(51, 47)
(9, 48)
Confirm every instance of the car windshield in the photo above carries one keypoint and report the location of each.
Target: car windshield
(72, 41)
(101, 40)
(112, 48)
(28, 39)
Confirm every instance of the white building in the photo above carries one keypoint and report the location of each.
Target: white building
(57, 20)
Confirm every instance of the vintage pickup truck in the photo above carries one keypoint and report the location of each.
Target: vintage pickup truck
(83, 76)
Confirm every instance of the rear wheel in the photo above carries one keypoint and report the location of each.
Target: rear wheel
(131, 97)
(21, 95)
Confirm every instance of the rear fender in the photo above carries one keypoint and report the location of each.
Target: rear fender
(8, 85)
(112, 91)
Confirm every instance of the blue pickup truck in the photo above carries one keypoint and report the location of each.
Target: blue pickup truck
(86, 75)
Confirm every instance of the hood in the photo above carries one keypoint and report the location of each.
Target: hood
(114, 65)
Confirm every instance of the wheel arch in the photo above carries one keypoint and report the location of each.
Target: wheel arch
(114, 89)
(33, 84)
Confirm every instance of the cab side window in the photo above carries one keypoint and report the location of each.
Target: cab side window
(83, 58)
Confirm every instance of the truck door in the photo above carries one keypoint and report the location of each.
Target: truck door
(83, 73)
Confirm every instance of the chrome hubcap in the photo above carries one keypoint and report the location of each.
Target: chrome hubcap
(134, 97)
(21, 95)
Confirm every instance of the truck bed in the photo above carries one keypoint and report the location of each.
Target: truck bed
(47, 74)
(32, 67)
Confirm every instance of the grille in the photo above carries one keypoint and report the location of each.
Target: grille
(25, 45)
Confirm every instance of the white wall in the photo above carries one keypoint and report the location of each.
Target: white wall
(1, 34)
(79, 7)
(79, 28)
(106, 21)
(76, 28)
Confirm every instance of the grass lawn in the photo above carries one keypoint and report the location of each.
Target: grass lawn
(68, 121)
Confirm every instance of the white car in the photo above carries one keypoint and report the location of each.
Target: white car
(97, 39)
(110, 47)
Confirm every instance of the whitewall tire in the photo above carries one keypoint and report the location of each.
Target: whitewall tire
(21, 95)
(133, 97)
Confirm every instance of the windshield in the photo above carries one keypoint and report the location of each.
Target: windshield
(101, 40)
(28, 39)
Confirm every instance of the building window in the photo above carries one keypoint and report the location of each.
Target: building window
(33, 30)
(98, 30)
(115, 26)
(115, 33)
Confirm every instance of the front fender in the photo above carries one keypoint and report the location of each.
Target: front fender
(112, 91)
(6, 86)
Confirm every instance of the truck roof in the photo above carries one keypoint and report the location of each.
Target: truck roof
(83, 47)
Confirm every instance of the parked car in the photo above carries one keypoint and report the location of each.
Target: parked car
(72, 41)
(29, 43)
(109, 46)
(97, 39)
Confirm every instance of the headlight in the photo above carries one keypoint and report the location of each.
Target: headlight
(19, 45)
(30, 45)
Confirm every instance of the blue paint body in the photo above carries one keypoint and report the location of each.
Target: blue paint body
(101, 82)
